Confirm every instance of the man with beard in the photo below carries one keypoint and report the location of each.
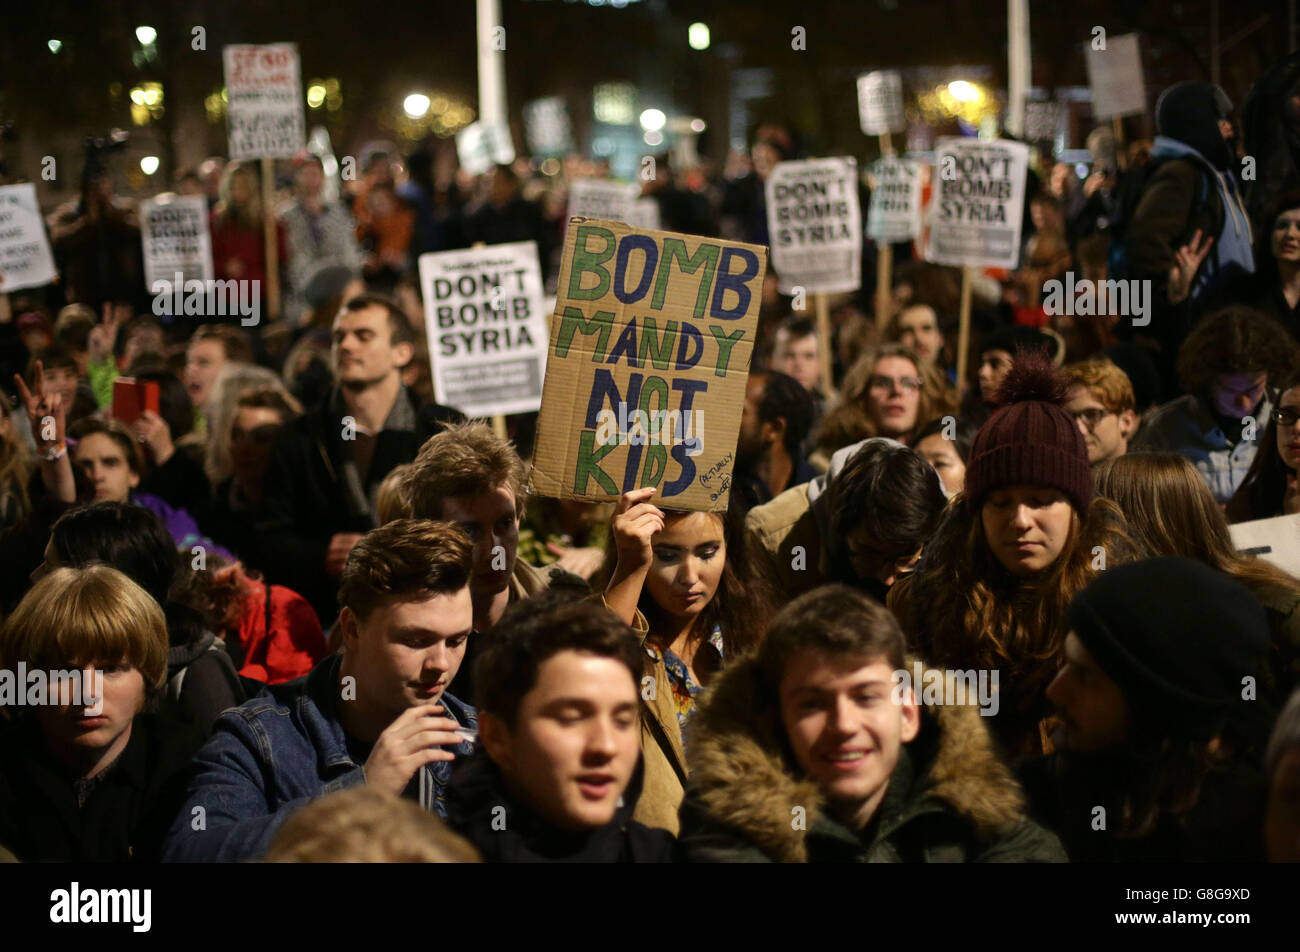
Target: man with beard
(1162, 732)
(326, 466)
(773, 426)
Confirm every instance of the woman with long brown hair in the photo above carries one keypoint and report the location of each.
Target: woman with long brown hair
(238, 236)
(1171, 511)
(890, 391)
(992, 587)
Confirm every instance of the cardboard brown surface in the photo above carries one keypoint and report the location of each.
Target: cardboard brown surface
(653, 331)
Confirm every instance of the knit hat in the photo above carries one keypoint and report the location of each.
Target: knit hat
(1030, 440)
(1177, 636)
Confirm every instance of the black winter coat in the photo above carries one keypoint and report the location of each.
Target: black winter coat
(305, 503)
(125, 816)
(478, 806)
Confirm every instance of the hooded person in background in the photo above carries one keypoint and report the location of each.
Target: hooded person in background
(1270, 127)
(1161, 729)
(1189, 234)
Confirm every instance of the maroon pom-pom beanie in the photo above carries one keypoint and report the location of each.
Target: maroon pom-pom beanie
(1030, 441)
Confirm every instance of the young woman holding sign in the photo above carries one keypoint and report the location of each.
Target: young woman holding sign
(686, 585)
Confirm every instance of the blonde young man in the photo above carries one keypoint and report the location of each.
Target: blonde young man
(1100, 398)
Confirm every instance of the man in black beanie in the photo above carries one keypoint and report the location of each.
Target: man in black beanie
(1161, 721)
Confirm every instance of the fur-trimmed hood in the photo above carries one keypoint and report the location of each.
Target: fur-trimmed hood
(742, 776)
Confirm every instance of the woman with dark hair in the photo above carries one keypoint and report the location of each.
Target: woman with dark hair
(175, 456)
(1271, 487)
(685, 583)
(992, 586)
(1227, 366)
(1275, 286)
(1170, 511)
(945, 444)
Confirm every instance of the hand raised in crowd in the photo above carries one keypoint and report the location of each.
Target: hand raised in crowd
(44, 407)
(416, 738)
(636, 520)
(336, 556)
(104, 334)
(1186, 263)
(583, 562)
(153, 431)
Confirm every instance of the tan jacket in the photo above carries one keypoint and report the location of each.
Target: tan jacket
(784, 533)
(661, 744)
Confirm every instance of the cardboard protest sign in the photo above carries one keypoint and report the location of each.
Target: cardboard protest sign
(174, 232)
(1274, 540)
(815, 223)
(264, 118)
(880, 102)
(547, 127)
(603, 198)
(895, 210)
(1115, 77)
(486, 327)
(481, 145)
(978, 204)
(650, 341)
(25, 257)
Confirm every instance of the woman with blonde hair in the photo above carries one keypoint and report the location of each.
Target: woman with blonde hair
(89, 777)
(238, 239)
(890, 391)
(1171, 511)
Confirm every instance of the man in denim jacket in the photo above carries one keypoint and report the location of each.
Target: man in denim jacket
(375, 713)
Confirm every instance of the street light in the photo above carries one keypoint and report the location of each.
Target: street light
(55, 45)
(697, 35)
(315, 95)
(963, 91)
(149, 164)
(652, 120)
(146, 35)
(416, 105)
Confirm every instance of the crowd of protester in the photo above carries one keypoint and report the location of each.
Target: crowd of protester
(333, 624)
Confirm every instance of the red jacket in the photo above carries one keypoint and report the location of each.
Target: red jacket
(292, 643)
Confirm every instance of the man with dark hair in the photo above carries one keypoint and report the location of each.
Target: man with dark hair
(776, 420)
(559, 772)
(818, 749)
(1225, 367)
(506, 216)
(326, 466)
(377, 713)
(1162, 728)
(319, 234)
(862, 523)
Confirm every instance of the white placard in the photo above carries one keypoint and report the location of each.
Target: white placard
(1042, 120)
(815, 225)
(603, 198)
(481, 145)
(1274, 540)
(487, 328)
(547, 127)
(880, 102)
(1115, 77)
(174, 234)
(895, 211)
(978, 202)
(25, 257)
(264, 115)
(645, 214)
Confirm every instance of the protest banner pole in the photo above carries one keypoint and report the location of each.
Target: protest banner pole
(963, 332)
(1121, 158)
(272, 246)
(884, 255)
(823, 307)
